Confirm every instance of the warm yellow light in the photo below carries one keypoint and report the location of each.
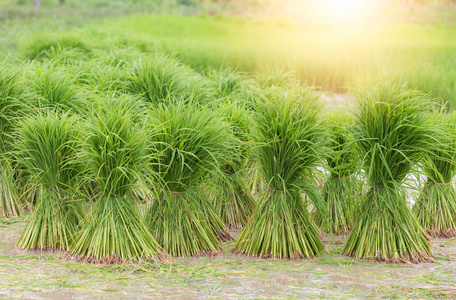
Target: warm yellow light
(340, 10)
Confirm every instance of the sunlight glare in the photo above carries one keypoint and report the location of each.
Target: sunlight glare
(340, 10)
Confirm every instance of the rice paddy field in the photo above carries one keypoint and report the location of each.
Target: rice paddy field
(227, 149)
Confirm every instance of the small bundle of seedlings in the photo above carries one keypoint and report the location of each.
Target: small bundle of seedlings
(192, 142)
(107, 70)
(226, 82)
(288, 138)
(234, 202)
(8, 192)
(52, 89)
(160, 78)
(435, 207)
(157, 78)
(114, 151)
(393, 132)
(44, 47)
(277, 77)
(342, 189)
(46, 151)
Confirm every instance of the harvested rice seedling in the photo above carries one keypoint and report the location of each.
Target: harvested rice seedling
(44, 47)
(53, 89)
(393, 132)
(157, 78)
(435, 207)
(227, 81)
(288, 139)
(234, 202)
(107, 70)
(8, 192)
(101, 77)
(46, 151)
(114, 153)
(275, 77)
(161, 78)
(341, 191)
(192, 141)
(12, 94)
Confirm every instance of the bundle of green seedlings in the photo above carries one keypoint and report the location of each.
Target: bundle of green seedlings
(435, 207)
(52, 88)
(9, 206)
(192, 141)
(275, 77)
(160, 78)
(341, 191)
(49, 88)
(226, 82)
(288, 138)
(12, 94)
(234, 202)
(114, 153)
(47, 46)
(46, 151)
(393, 131)
(107, 69)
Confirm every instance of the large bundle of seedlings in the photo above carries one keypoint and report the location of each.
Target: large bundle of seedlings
(46, 151)
(192, 141)
(342, 189)
(435, 207)
(114, 152)
(393, 132)
(12, 94)
(288, 139)
(234, 201)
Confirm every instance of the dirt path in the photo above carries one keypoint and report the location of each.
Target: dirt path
(43, 275)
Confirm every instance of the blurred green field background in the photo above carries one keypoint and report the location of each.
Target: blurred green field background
(415, 41)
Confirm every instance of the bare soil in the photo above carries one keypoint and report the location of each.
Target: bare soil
(46, 275)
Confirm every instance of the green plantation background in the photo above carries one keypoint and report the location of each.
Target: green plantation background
(414, 42)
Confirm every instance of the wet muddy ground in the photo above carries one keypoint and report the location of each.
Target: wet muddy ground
(44, 275)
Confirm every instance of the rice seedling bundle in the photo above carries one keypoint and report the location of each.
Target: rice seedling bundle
(44, 47)
(157, 78)
(435, 208)
(53, 89)
(227, 81)
(342, 189)
(191, 141)
(161, 79)
(393, 132)
(12, 94)
(107, 71)
(100, 77)
(234, 202)
(46, 151)
(8, 192)
(114, 153)
(277, 77)
(288, 139)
